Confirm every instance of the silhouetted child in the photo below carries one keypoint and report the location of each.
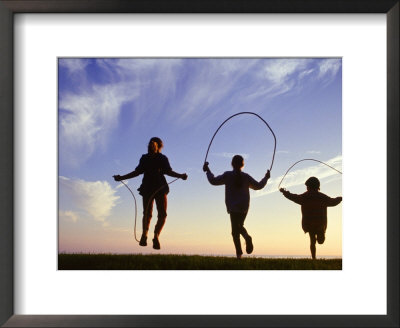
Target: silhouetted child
(314, 211)
(153, 166)
(237, 198)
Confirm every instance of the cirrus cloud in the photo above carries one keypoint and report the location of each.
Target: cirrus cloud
(87, 119)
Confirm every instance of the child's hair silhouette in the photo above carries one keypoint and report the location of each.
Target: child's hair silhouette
(237, 164)
(313, 183)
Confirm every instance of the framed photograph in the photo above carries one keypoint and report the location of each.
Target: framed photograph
(93, 206)
(62, 59)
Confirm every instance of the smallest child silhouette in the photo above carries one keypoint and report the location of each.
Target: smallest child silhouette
(314, 211)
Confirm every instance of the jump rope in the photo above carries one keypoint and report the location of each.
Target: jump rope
(150, 200)
(241, 113)
(306, 159)
(205, 161)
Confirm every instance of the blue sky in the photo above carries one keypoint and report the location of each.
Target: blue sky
(109, 109)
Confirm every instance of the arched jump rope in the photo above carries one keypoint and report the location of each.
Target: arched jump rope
(306, 159)
(273, 156)
(241, 113)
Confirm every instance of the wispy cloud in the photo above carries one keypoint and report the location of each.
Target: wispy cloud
(283, 76)
(329, 67)
(74, 65)
(280, 76)
(89, 119)
(151, 86)
(279, 71)
(299, 176)
(306, 73)
(313, 152)
(68, 216)
(211, 86)
(90, 114)
(86, 199)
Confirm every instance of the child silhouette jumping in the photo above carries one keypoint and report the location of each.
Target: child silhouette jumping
(237, 198)
(314, 211)
(153, 166)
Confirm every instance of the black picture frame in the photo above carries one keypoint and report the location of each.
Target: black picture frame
(10, 7)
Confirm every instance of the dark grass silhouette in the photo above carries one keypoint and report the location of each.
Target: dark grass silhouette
(189, 262)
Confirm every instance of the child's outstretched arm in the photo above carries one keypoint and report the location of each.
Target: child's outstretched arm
(253, 184)
(138, 171)
(133, 174)
(174, 174)
(216, 181)
(293, 197)
(333, 201)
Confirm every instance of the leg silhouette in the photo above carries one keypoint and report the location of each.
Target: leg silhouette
(312, 244)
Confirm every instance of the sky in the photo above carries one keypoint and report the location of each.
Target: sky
(109, 108)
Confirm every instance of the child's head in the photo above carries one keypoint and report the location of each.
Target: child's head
(312, 183)
(237, 162)
(155, 145)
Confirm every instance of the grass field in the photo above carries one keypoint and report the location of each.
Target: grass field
(189, 262)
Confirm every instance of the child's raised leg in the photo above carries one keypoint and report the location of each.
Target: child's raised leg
(242, 230)
(320, 237)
